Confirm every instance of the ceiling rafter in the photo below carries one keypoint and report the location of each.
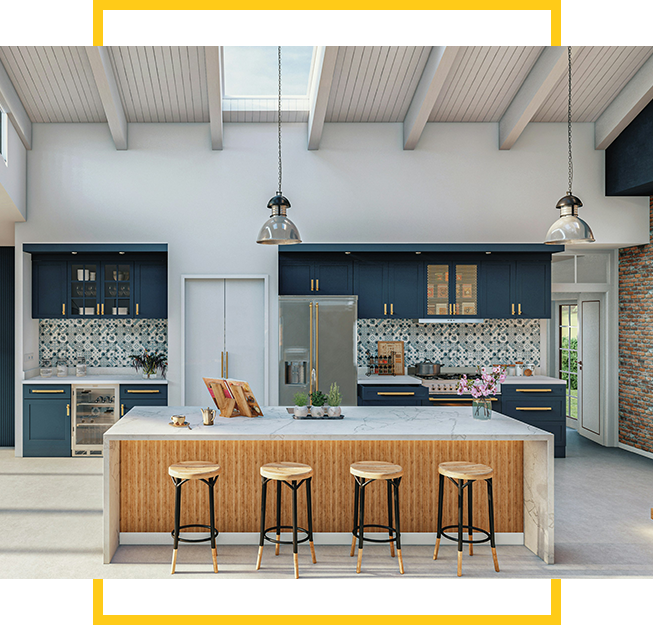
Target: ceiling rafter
(214, 73)
(107, 86)
(437, 68)
(325, 63)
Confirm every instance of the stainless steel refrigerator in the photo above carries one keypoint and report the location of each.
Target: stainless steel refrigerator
(317, 346)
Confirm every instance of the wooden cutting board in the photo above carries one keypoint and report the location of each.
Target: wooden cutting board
(395, 351)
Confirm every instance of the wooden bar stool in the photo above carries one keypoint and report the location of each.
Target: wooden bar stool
(293, 475)
(463, 475)
(206, 472)
(365, 473)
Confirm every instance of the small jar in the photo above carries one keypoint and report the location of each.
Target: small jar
(511, 370)
(62, 369)
(80, 368)
(46, 368)
(519, 368)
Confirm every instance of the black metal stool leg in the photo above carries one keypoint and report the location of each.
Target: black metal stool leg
(294, 529)
(460, 527)
(392, 546)
(440, 505)
(277, 546)
(396, 483)
(214, 552)
(361, 523)
(309, 511)
(470, 514)
(353, 538)
(264, 488)
(490, 505)
(177, 482)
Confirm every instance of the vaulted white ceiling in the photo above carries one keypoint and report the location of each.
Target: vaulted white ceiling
(349, 84)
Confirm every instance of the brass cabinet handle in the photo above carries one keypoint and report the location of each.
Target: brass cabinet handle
(312, 285)
(310, 356)
(133, 391)
(317, 284)
(98, 310)
(403, 394)
(58, 390)
(67, 410)
(450, 309)
(317, 346)
(137, 309)
(513, 309)
(392, 309)
(459, 399)
(63, 309)
(122, 410)
(519, 309)
(102, 308)
(533, 409)
(533, 390)
(385, 309)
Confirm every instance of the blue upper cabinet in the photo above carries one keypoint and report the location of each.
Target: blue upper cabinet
(370, 282)
(320, 274)
(498, 279)
(405, 289)
(101, 287)
(452, 289)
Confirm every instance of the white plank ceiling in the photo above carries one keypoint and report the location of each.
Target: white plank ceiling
(370, 84)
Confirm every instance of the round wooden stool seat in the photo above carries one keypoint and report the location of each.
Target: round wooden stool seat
(376, 470)
(194, 470)
(465, 470)
(286, 471)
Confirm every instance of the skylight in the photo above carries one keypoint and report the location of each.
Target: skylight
(251, 71)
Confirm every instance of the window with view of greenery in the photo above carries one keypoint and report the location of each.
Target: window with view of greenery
(568, 361)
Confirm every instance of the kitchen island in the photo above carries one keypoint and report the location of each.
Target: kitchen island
(139, 496)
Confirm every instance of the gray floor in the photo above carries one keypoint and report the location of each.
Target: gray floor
(51, 520)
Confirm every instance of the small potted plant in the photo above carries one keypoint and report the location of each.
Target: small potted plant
(334, 399)
(318, 399)
(150, 363)
(301, 404)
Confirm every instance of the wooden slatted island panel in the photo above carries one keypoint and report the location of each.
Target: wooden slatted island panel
(139, 495)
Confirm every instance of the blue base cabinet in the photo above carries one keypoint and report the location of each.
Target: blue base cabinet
(540, 405)
(46, 420)
(392, 395)
(142, 395)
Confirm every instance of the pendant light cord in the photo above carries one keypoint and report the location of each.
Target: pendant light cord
(279, 122)
(571, 164)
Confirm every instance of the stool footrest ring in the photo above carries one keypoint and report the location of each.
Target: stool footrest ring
(387, 528)
(195, 540)
(466, 529)
(284, 542)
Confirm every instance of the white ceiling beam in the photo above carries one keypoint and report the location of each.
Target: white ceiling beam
(542, 79)
(441, 60)
(10, 103)
(628, 104)
(107, 86)
(214, 73)
(325, 63)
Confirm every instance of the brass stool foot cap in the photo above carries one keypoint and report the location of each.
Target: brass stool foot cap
(360, 560)
(260, 556)
(310, 542)
(496, 561)
(296, 563)
(460, 563)
(401, 561)
(214, 553)
(174, 561)
(353, 546)
(276, 547)
(437, 548)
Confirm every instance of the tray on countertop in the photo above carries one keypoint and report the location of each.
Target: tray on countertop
(309, 417)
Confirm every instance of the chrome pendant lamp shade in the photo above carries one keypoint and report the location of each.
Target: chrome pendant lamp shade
(279, 230)
(570, 228)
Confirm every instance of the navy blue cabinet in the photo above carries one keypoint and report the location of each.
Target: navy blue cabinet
(540, 405)
(533, 289)
(370, 281)
(321, 276)
(100, 287)
(142, 395)
(46, 420)
(392, 395)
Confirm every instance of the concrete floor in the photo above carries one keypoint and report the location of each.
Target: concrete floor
(51, 517)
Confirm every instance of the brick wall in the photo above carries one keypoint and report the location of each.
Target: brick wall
(636, 345)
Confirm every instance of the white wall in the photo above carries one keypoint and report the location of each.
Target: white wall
(13, 186)
(360, 186)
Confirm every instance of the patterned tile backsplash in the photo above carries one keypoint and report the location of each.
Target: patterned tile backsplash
(104, 342)
(495, 341)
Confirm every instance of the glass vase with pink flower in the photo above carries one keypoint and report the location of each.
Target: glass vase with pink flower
(482, 389)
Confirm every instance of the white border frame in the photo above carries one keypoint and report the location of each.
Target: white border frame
(266, 347)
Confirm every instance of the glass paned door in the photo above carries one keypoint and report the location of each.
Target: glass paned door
(95, 412)
(466, 290)
(84, 290)
(437, 290)
(117, 290)
(568, 356)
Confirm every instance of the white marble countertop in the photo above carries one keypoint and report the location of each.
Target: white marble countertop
(532, 379)
(388, 380)
(360, 422)
(96, 379)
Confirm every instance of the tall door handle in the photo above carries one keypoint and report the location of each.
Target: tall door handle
(392, 309)
(385, 309)
(513, 309)
(310, 354)
(227, 362)
(519, 308)
(317, 284)
(222, 364)
(312, 285)
(317, 346)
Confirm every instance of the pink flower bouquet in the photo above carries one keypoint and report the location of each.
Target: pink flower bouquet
(483, 387)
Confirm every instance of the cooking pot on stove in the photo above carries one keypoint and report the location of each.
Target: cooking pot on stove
(428, 368)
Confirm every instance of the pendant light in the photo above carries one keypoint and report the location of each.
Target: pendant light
(279, 230)
(570, 228)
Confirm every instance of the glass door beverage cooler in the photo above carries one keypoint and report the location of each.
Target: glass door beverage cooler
(95, 410)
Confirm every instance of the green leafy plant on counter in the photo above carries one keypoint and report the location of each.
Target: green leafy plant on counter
(150, 363)
(300, 399)
(334, 398)
(318, 398)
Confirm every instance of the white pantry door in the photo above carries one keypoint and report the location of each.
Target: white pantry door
(590, 354)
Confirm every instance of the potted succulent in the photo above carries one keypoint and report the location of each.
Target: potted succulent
(150, 363)
(301, 404)
(318, 399)
(334, 399)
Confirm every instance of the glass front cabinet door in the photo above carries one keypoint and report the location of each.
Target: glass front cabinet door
(84, 295)
(117, 290)
(452, 290)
